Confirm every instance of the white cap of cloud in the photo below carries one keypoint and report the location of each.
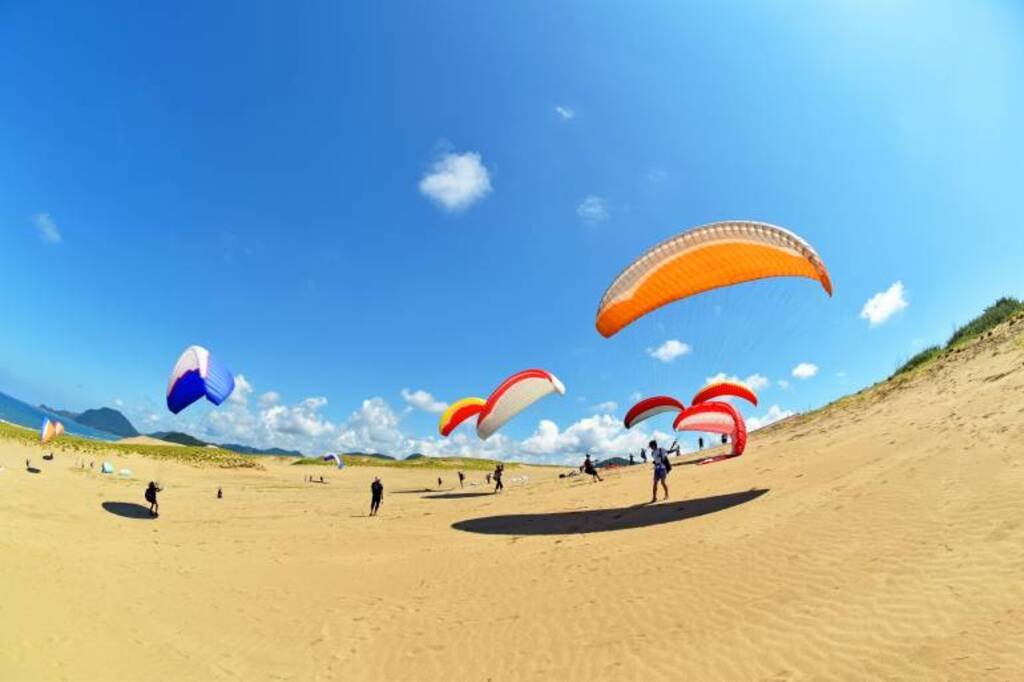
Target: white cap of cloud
(805, 370)
(456, 181)
(670, 350)
(884, 305)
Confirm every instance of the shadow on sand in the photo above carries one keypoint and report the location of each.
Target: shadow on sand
(455, 496)
(601, 520)
(33, 470)
(128, 510)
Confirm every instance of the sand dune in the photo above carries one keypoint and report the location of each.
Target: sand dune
(881, 537)
(147, 440)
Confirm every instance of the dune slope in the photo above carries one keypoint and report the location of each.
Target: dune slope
(880, 537)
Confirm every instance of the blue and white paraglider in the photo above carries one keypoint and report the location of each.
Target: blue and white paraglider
(198, 374)
(337, 458)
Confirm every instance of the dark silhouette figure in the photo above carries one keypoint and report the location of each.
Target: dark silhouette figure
(220, 493)
(462, 479)
(154, 506)
(376, 496)
(498, 471)
(588, 468)
(700, 443)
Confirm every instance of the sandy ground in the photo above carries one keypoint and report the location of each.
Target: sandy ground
(880, 539)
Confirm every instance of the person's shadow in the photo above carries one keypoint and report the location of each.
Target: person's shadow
(128, 510)
(33, 470)
(456, 496)
(601, 520)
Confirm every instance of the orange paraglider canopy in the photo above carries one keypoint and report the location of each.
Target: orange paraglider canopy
(719, 389)
(705, 258)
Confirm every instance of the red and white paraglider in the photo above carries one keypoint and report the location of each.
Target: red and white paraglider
(514, 395)
(651, 407)
(715, 417)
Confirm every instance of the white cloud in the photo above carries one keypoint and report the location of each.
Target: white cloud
(669, 351)
(566, 113)
(805, 370)
(607, 406)
(755, 382)
(298, 420)
(600, 435)
(47, 228)
(592, 209)
(118, 402)
(884, 305)
(243, 389)
(422, 400)
(270, 398)
(456, 181)
(774, 414)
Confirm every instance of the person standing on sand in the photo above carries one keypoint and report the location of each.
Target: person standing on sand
(661, 469)
(588, 468)
(631, 460)
(376, 496)
(643, 455)
(498, 471)
(462, 479)
(154, 506)
(700, 443)
(439, 483)
(488, 478)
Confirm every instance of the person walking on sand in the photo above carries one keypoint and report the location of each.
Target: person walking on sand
(588, 468)
(439, 483)
(462, 480)
(220, 493)
(488, 478)
(643, 455)
(498, 471)
(154, 506)
(376, 496)
(661, 468)
(700, 443)
(631, 460)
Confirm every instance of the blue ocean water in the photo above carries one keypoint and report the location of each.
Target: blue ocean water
(23, 414)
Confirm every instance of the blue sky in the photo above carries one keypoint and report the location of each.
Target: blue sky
(258, 179)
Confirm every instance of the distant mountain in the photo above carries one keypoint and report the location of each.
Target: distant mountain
(375, 455)
(109, 420)
(73, 416)
(179, 438)
(416, 455)
(249, 450)
(612, 462)
(104, 419)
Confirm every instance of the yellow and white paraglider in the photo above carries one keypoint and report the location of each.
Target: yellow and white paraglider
(705, 258)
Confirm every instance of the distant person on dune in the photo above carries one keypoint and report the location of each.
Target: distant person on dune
(643, 455)
(498, 471)
(376, 496)
(700, 443)
(661, 468)
(439, 483)
(588, 468)
(631, 460)
(462, 479)
(488, 478)
(154, 506)
(220, 493)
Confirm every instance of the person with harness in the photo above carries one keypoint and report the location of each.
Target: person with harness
(661, 468)
(154, 506)
(588, 468)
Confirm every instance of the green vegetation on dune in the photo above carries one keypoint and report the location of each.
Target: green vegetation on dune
(421, 462)
(85, 447)
(1002, 310)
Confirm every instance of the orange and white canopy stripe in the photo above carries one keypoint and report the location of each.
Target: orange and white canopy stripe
(704, 258)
